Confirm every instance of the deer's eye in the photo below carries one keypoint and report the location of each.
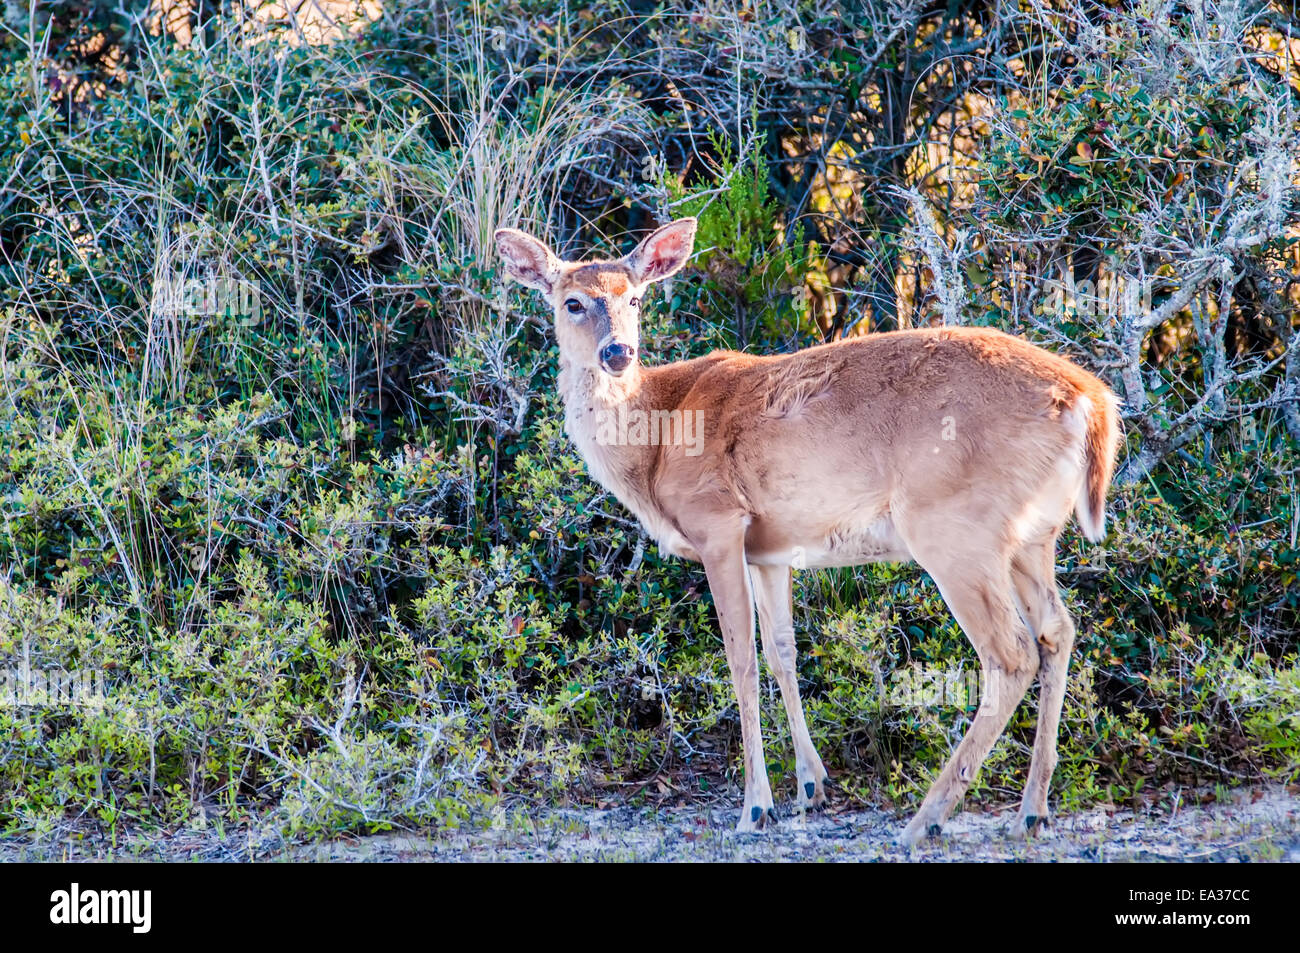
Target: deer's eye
(635, 302)
(574, 306)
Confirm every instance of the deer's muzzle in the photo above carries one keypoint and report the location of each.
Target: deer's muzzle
(616, 357)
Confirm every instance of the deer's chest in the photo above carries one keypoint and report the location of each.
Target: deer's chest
(623, 470)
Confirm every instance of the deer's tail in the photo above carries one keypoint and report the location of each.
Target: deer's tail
(1101, 443)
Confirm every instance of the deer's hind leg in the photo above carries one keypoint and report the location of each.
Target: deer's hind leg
(776, 622)
(975, 582)
(1033, 574)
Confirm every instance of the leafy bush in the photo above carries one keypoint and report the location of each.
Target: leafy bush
(756, 274)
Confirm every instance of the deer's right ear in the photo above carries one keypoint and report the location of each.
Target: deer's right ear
(527, 260)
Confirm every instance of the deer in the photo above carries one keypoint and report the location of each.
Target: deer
(963, 449)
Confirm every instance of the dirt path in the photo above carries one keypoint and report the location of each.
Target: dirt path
(1258, 824)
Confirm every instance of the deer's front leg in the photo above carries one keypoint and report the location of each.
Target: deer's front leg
(729, 582)
(776, 623)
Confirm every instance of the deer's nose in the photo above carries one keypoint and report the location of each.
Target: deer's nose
(616, 357)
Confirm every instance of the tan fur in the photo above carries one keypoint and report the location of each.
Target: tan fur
(964, 449)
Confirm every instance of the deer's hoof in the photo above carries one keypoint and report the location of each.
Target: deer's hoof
(1029, 825)
(756, 820)
(918, 830)
(812, 795)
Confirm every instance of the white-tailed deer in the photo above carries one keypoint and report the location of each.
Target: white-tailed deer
(964, 449)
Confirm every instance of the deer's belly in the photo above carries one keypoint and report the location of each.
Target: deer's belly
(852, 542)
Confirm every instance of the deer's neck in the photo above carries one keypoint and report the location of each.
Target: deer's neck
(596, 407)
(611, 421)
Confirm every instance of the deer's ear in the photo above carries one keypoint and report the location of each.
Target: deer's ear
(527, 260)
(663, 252)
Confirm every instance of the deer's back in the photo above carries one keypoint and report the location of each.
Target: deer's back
(857, 430)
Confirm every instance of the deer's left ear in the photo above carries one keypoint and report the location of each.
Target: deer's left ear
(663, 252)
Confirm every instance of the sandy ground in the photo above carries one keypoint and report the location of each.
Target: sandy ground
(1260, 824)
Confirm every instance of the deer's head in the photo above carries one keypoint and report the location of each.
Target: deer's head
(597, 303)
